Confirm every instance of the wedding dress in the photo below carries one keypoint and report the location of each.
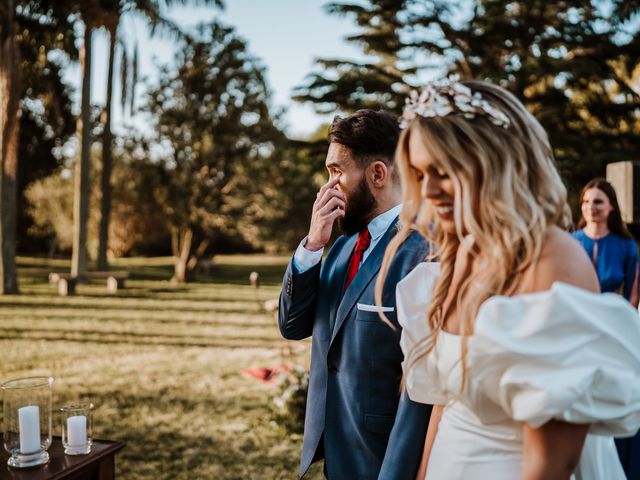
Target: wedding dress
(565, 354)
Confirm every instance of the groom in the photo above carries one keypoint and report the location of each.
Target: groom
(356, 418)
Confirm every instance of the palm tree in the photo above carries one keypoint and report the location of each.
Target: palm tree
(9, 130)
(105, 179)
(150, 10)
(90, 13)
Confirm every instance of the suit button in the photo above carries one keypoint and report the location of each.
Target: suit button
(333, 369)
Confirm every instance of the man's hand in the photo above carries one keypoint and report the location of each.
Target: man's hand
(329, 205)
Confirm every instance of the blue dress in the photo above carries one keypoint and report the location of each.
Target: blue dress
(616, 260)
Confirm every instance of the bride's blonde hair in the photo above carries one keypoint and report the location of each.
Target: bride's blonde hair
(507, 192)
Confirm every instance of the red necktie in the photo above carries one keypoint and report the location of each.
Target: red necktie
(363, 242)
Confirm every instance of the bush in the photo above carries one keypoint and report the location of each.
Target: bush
(291, 401)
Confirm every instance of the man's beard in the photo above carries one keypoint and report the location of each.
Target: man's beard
(360, 206)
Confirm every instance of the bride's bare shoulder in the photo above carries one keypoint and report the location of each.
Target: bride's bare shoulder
(562, 259)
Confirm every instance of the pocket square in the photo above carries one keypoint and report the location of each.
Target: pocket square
(374, 308)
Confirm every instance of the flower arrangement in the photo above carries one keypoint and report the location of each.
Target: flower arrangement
(290, 403)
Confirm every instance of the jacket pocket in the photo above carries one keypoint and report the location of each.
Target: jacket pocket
(381, 424)
(374, 317)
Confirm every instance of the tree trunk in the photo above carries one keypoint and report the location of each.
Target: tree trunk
(180, 269)
(81, 181)
(9, 129)
(105, 183)
(195, 258)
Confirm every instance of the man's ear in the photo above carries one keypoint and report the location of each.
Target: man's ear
(378, 174)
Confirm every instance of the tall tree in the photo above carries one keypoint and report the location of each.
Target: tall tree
(112, 14)
(212, 116)
(90, 12)
(111, 25)
(46, 44)
(382, 79)
(570, 61)
(9, 135)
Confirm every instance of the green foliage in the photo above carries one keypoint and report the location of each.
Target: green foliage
(212, 121)
(573, 63)
(45, 40)
(136, 222)
(378, 82)
(50, 205)
(282, 189)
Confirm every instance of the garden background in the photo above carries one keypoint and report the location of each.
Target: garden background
(215, 187)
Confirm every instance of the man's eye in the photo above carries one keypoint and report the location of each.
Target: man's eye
(419, 175)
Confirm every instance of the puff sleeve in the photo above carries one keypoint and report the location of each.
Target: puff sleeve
(413, 297)
(564, 354)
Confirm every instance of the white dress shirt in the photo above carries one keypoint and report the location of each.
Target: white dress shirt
(304, 259)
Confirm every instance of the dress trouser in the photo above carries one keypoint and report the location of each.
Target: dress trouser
(629, 453)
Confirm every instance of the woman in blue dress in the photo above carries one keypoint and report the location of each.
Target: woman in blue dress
(608, 243)
(614, 254)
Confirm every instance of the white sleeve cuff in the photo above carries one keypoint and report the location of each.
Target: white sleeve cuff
(304, 259)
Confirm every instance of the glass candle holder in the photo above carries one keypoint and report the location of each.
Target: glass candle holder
(27, 420)
(77, 428)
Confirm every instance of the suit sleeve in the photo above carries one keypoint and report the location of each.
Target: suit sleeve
(630, 268)
(297, 306)
(406, 441)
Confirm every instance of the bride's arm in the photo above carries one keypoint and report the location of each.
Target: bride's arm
(434, 421)
(552, 452)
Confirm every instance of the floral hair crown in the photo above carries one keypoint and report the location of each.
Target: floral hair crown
(446, 97)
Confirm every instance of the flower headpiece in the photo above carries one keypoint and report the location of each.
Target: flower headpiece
(446, 97)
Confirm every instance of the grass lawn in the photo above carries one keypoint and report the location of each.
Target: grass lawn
(162, 363)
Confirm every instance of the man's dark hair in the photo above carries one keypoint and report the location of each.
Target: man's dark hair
(368, 134)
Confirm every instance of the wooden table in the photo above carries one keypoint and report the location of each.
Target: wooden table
(97, 465)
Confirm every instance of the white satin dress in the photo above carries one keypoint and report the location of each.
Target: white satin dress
(564, 354)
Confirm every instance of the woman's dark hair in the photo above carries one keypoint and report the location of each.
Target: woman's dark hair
(614, 221)
(368, 134)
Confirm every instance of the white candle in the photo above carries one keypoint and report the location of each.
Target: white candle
(77, 431)
(29, 424)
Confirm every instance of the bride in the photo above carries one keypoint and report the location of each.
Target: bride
(530, 370)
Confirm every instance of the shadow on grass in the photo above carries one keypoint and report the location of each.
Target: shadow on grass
(83, 317)
(236, 274)
(137, 307)
(96, 336)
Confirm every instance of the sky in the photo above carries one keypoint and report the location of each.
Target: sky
(286, 35)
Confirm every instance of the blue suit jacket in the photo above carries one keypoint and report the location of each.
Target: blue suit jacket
(356, 418)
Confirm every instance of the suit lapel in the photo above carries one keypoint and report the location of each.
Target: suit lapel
(338, 276)
(367, 272)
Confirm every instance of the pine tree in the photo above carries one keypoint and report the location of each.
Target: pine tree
(379, 82)
(572, 63)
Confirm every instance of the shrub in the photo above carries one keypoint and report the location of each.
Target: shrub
(291, 401)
